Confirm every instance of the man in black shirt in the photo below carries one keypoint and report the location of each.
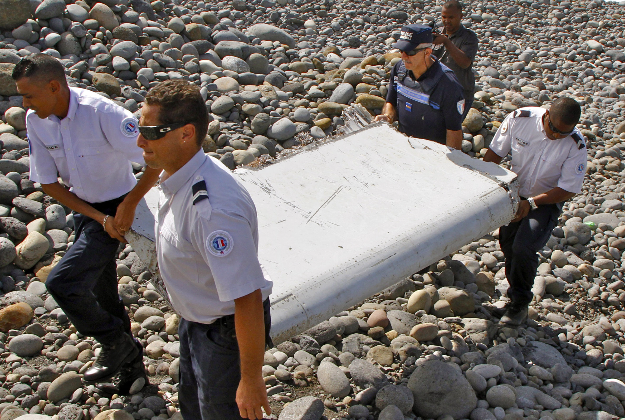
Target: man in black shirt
(456, 48)
(424, 95)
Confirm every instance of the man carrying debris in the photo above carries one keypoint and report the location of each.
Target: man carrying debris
(424, 95)
(456, 48)
(89, 142)
(549, 158)
(207, 249)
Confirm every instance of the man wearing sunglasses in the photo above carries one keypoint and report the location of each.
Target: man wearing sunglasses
(207, 249)
(424, 95)
(549, 158)
(88, 142)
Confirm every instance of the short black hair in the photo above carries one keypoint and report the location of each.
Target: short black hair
(40, 66)
(180, 101)
(566, 109)
(450, 4)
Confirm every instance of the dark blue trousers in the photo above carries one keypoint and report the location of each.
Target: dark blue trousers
(84, 282)
(520, 243)
(210, 369)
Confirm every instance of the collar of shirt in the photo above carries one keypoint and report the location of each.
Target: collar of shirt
(73, 106)
(429, 79)
(172, 184)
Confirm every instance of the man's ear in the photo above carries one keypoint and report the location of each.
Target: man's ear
(188, 133)
(54, 86)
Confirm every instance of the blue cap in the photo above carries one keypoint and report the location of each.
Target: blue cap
(412, 36)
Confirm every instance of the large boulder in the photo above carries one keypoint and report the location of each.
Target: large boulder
(7, 84)
(13, 13)
(440, 389)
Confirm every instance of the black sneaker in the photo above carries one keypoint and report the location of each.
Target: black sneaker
(515, 315)
(132, 376)
(111, 358)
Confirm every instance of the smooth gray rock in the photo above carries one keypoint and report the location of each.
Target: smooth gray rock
(333, 380)
(64, 386)
(12, 142)
(391, 412)
(8, 191)
(306, 408)
(440, 389)
(21, 296)
(124, 49)
(365, 373)
(282, 129)
(49, 9)
(542, 354)
(342, 94)
(14, 13)
(271, 33)
(396, 395)
(29, 206)
(222, 105)
(235, 64)
(26, 345)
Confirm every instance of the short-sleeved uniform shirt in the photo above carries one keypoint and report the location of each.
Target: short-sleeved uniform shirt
(428, 106)
(540, 163)
(91, 149)
(207, 240)
(466, 41)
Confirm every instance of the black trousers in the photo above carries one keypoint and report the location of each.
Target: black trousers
(520, 243)
(210, 369)
(84, 282)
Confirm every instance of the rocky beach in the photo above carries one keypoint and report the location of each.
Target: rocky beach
(277, 74)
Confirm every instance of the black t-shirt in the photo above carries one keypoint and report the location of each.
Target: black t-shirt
(466, 41)
(427, 107)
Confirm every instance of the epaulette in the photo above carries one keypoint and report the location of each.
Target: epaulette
(579, 140)
(524, 113)
(199, 191)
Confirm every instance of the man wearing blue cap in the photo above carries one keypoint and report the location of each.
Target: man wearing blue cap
(424, 95)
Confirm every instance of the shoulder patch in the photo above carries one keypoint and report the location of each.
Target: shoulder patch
(504, 127)
(219, 243)
(130, 127)
(460, 106)
(580, 168)
(522, 113)
(199, 191)
(579, 140)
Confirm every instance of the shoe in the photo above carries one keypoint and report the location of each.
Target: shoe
(515, 315)
(132, 376)
(111, 358)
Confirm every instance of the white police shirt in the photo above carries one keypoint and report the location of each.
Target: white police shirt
(90, 149)
(540, 163)
(207, 240)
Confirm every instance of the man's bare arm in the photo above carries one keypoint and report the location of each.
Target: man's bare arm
(250, 331)
(126, 210)
(492, 157)
(389, 113)
(61, 194)
(459, 57)
(454, 139)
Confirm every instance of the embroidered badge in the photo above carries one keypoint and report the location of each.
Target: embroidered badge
(580, 168)
(408, 106)
(521, 142)
(504, 127)
(53, 147)
(219, 243)
(460, 106)
(130, 127)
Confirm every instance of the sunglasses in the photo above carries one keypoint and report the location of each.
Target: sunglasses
(415, 51)
(555, 130)
(155, 132)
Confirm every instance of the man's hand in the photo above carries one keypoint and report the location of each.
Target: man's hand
(109, 227)
(124, 217)
(251, 396)
(382, 117)
(522, 211)
(438, 39)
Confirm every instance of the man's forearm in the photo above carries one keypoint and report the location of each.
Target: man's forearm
(250, 332)
(553, 196)
(389, 111)
(147, 181)
(454, 139)
(61, 194)
(456, 54)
